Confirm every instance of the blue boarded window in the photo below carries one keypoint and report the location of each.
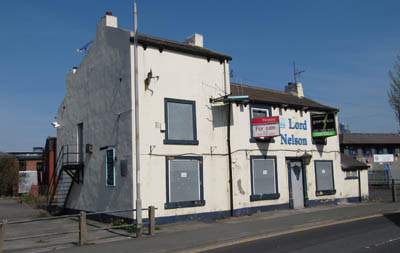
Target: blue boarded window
(324, 178)
(184, 181)
(264, 179)
(180, 122)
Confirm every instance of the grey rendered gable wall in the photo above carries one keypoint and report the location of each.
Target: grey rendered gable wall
(99, 96)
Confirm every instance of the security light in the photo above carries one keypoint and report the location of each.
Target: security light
(55, 124)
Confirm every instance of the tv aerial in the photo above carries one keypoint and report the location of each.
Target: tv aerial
(296, 72)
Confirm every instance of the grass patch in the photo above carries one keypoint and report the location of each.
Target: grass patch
(7, 197)
(33, 199)
(130, 228)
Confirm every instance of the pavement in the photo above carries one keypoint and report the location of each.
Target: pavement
(197, 236)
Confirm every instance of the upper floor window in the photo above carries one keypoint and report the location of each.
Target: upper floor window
(257, 111)
(39, 166)
(22, 166)
(366, 151)
(180, 122)
(352, 151)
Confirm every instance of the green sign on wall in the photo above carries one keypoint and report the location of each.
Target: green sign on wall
(323, 125)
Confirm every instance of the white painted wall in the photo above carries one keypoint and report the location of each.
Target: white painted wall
(185, 77)
(243, 149)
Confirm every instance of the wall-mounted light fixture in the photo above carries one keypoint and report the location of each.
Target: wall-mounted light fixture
(55, 124)
(149, 77)
(306, 157)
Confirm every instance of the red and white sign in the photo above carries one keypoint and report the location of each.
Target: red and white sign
(266, 127)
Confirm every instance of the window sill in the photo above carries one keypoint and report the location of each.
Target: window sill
(346, 178)
(265, 197)
(266, 140)
(325, 192)
(181, 142)
(183, 204)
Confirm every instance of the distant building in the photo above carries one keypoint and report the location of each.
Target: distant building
(47, 177)
(30, 164)
(344, 128)
(371, 148)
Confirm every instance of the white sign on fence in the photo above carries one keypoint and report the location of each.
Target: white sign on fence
(383, 158)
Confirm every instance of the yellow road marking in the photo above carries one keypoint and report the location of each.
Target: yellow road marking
(270, 235)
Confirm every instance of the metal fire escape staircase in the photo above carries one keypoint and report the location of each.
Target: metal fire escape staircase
(68, 171)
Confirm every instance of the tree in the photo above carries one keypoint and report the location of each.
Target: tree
(394, 90)
(8, 175)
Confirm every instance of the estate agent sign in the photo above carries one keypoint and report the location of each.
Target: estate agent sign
(323, 125)
(264, 127)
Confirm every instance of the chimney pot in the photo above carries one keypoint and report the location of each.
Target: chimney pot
(108, 13)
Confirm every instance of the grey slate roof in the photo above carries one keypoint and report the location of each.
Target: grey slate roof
(369, 138)
(278, 98)
(161, 44)
(349, 163)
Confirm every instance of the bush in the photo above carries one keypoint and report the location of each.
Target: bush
(9, 175)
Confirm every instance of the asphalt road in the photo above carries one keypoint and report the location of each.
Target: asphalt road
(381, 234)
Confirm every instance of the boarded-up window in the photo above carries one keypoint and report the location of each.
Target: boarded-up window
(184, 181)
(324, 176)
(180, 119)
(263, 178)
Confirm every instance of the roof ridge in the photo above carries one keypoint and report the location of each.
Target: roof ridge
(262, 88)
(283, 93)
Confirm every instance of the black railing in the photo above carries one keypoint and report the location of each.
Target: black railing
(382, 186)
(69, 156)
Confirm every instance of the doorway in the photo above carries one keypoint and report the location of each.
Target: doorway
(296, 184)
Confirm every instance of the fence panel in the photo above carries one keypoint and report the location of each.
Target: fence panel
(382, 187)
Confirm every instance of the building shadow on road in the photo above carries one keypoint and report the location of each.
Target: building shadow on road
(393, 217)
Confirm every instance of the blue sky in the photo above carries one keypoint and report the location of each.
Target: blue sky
(346, 48)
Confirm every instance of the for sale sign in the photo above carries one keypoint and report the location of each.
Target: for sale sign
(265, 127)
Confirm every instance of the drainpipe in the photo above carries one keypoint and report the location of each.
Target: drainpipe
(359, 185)
(230, 157)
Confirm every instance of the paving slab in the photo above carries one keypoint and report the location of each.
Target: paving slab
(13, 210)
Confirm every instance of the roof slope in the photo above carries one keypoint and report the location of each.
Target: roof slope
(349, 163)
(278, 98)
(369, 138)
(172, 45)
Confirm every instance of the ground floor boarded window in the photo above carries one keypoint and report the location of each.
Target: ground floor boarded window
(184, 181)
(324, 178)
(264, 182)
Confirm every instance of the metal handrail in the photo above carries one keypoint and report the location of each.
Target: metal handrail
(73, 215)
(151, 220)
